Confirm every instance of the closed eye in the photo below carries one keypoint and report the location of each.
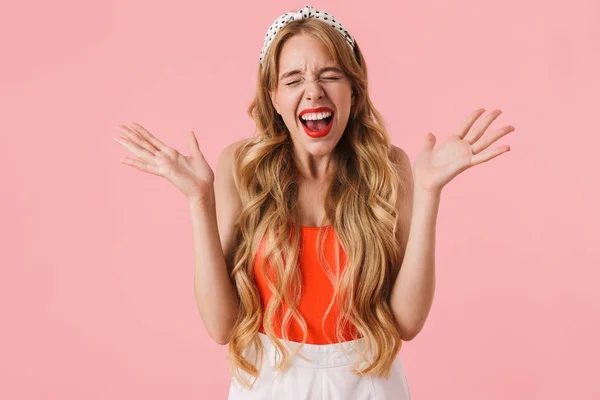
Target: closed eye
(331, 78)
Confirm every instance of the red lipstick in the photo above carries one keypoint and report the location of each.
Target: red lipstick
(322, 132)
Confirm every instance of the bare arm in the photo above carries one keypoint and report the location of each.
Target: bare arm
(212, 197)
(414, 288)
(213, 225)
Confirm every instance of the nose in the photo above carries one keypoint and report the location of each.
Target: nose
(313, 90)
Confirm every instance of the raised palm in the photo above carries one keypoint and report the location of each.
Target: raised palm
(190, 174)
(434, 168)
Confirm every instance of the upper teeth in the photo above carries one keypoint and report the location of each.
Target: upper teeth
(314, 116)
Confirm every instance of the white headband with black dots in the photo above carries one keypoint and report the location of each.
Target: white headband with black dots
(306, 12)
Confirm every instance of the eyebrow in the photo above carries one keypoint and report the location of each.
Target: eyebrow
(297, 71)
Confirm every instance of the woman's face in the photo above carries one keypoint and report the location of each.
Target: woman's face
(308, 79)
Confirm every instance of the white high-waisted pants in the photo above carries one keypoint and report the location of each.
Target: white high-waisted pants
(326, 377)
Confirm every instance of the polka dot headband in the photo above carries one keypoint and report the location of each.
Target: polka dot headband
(306, 12)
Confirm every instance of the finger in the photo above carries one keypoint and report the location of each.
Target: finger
(193, 145)
(148, 136)
(142, 166)
(468, 123)
(429, 142)
(135, 137)
(488, 155)
(486, 141)
(476, 133)
(134, 148)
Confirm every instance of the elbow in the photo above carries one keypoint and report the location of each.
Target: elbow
(218, 327)
(408, 331)
(408, 336)
(222, 340)
(220, 336)
(219, 339)
(408, 328)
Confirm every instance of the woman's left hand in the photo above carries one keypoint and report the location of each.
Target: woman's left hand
(433, 169)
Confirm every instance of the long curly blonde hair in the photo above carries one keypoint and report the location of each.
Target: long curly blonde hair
(359, 204)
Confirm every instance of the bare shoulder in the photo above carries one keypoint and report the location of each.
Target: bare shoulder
(226, 161)
(406, 184)
(401, 161)
(227, 198)
(404, 201)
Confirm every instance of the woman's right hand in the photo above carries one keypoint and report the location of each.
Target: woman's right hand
(190, 174)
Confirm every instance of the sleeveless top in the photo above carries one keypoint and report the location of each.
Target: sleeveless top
(317, 291)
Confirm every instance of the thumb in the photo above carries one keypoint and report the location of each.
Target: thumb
(429, 142)
(193, 144)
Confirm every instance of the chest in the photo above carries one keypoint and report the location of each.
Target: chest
(311, 203)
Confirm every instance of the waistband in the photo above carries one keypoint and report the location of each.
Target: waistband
(317, 355)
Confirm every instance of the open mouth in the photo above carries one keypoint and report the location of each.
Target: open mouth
(317, 125)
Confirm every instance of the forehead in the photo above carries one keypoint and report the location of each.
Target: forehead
(304, 52)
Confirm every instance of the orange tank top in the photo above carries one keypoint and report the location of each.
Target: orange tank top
(317, 290)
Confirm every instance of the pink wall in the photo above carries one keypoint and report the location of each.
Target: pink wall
(96, 294)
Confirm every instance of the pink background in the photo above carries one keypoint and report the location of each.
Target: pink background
(96, 294)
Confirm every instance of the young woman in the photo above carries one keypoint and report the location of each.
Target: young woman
(304, 262)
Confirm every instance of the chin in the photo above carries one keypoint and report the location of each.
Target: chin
(322, 146)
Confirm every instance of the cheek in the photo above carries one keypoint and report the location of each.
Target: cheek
(288, 99)
(343, 96)
(290, 107)
(344, 105)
